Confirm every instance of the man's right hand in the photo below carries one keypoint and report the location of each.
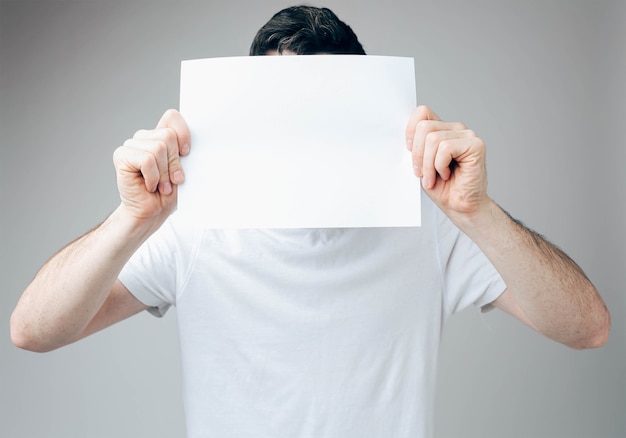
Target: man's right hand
(148, 169)
(77, 292)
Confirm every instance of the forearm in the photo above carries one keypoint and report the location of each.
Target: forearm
(546, 288)
(71, 287)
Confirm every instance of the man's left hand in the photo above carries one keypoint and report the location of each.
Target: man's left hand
(450, 160)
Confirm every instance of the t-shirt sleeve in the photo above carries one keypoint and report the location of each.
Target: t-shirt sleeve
(469, 277)
(151, 273)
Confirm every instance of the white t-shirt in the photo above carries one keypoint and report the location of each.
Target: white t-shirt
(311, 333)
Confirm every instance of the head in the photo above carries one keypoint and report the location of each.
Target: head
(306, 30)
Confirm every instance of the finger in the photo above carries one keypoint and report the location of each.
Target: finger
(174, 120)
(156, 143)
(423, 130)
(133, 160)
(442, 150)
(427, 166)
(445, 158)
(157, 148)
(168, 136)
(420, 113)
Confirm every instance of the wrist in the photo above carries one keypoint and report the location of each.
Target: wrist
(132, 229)
(481, 222)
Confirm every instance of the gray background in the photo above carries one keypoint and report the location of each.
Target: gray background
(542, 82)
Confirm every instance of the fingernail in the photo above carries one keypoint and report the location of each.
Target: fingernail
(416, 170)
(425, 182)
(409, 144)
(166, 188)
(185, 149)
(178, 177)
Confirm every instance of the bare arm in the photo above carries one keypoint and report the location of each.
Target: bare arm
(545, 288)
(77, 292)
(70, 289)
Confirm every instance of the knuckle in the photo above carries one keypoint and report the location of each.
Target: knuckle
(422, 125)
(170, 113)
(169, 135)
(444, 147)
(160, 147)
(117, 153)
(481, 146)
(140, 133)
(422, 111)
(433, 137)
(168, 139)
(147, 161)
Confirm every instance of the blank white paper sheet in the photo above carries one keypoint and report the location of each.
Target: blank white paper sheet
(298, 142)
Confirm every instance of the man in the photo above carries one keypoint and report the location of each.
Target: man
(310, 333)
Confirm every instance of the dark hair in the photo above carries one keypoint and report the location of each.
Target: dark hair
(306, 30)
